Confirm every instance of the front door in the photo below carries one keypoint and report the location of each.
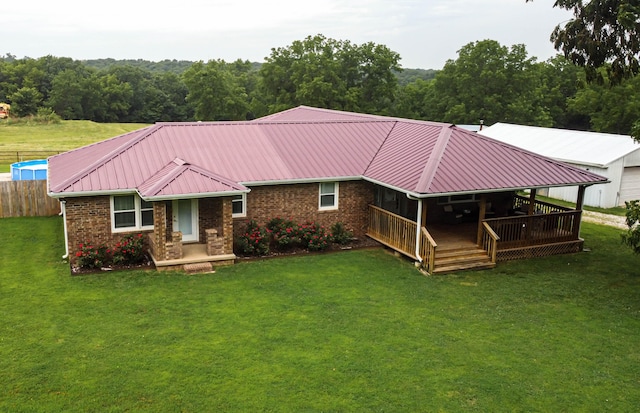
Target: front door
(185, 219)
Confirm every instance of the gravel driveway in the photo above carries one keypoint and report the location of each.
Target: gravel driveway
(604, 219)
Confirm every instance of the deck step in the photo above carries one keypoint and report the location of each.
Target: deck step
(464, 266)
(460, 259)
(197, 268)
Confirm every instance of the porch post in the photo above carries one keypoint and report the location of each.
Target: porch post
(532, 202)
(227, 225)
(481, 213)
(579, 205)
(419, 230)
(159, 234)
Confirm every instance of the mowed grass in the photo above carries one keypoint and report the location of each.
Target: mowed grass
(69, 134)
(354, 331)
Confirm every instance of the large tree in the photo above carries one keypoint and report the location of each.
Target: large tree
(601, 32)
(215, 91)
(328, 73)
(488, 82)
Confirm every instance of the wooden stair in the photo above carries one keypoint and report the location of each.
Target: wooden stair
(461, 258)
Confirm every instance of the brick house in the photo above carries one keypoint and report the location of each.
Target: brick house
(190, 186)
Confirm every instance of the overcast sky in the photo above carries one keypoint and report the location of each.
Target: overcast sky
(425, 33)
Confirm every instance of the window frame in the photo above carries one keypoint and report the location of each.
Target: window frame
(335, 194)
(137, 210)
(243, 201)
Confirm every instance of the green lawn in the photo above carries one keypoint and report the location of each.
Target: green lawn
(68, 134)
(354, 331)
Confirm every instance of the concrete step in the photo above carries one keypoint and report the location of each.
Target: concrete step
(198, 268)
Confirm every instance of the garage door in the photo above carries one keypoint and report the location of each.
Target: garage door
(630, 185)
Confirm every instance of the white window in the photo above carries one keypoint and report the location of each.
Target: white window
(328, 196)
(239, 206)
(130, 213)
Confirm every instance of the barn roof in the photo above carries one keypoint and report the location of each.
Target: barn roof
(576, 147)
(304, 144)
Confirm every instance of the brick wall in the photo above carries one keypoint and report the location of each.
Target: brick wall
(299, 202)
(89, 219)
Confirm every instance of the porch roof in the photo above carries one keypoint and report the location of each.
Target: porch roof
(180, 179)
(304, 144)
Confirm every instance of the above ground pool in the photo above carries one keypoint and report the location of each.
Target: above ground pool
(29, 170)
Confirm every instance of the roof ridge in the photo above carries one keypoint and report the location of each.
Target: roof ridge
(106, 157)
(429, 171)
(375, 155)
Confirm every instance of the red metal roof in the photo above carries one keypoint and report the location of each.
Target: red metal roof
(303, 145)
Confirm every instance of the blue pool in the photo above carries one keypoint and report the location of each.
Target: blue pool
(29, 170)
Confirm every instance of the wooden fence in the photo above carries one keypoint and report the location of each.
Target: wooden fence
(26, 199)
(9, 157)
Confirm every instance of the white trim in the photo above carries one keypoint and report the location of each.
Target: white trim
(335, 195)
(243, 200)
(302, 181)
(137, 210)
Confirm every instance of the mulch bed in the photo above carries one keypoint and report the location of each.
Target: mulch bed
(357, 243)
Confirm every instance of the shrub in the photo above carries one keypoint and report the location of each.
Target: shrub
(284, 233)
(254, 241)
(90, 256)
(340, 234)
(130, 250)
(313, 237)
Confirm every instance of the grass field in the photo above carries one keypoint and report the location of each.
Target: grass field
(354, 331)
(63, 136)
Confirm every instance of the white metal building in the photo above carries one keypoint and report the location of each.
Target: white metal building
(616, 157)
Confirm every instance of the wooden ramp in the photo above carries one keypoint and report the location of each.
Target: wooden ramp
(457, 249)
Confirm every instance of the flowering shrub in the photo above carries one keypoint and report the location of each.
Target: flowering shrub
(90, 256)
(254, 241)
(313, 237)
(340, 234)
(284, 233)
(130, 250)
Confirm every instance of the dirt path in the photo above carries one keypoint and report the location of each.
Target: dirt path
(604, 219)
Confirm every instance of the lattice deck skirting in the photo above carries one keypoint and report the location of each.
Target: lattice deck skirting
(540, 250)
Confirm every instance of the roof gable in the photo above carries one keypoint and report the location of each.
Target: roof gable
(179, 179)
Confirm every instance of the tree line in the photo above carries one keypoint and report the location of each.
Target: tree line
(487, 82)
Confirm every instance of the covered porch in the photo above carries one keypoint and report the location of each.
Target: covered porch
(204, 242)
(524, 228)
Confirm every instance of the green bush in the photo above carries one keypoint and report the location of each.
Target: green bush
(340, 235)
(90, 256)
(254, 240)
(130, 250)
(284, 233)
(313, 237)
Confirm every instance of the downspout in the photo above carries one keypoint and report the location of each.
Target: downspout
(63, 212)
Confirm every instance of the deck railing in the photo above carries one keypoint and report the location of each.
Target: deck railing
(541, 207)
(427, 250)
(392, 230)
(490, 241)
(530, 230)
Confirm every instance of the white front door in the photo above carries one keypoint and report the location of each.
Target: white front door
(185, 219)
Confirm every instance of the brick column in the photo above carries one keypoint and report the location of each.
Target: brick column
(173, 249)
(158, 236)
(227, 225)
(215, 244)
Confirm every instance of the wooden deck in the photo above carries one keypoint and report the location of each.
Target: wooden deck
(457, 248)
